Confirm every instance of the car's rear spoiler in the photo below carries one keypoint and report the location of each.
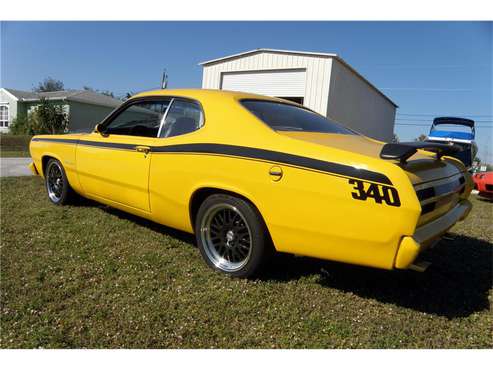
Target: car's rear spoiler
(402, 151)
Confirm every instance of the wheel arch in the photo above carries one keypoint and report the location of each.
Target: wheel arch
(45, 158)
(201, 194)
(44, 161)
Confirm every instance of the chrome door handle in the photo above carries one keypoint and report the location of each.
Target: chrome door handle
(143, 149)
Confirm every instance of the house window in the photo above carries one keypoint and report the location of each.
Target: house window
(4, 115)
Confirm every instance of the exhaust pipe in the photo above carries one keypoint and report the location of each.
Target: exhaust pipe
(420, 266)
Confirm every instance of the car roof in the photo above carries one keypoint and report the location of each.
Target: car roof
(200, 94)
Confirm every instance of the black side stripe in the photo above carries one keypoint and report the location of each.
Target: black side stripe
(247, 152)
(67, 141)
(278, 157)
(88, 143)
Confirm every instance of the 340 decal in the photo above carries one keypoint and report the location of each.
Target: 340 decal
(380, 193)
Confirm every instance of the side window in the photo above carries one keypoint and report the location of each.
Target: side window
(183, 117)
(139, 119)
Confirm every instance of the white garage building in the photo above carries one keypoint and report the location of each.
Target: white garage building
(322, 82)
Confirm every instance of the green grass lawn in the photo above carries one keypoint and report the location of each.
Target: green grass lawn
(90, 276)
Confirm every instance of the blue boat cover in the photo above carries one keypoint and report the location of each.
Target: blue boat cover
(452, 135)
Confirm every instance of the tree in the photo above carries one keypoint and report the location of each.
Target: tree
(45, 118)
(49, 84)
(102, 92)
(421, 137)
(107, 93)
(48, 118)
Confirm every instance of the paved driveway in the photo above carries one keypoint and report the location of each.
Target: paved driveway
(15, 167)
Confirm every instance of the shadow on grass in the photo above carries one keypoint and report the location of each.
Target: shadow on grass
(177, 234)
(486, 200)
(455, 285)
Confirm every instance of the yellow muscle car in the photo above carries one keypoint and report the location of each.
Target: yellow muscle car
(249, 174)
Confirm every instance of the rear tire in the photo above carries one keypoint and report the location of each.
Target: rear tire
(56, 182)
(231, 235)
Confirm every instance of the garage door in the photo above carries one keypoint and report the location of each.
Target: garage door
(272, 83)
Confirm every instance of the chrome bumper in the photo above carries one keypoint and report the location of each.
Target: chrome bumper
(438, 227)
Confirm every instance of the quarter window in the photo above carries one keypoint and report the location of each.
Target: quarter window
(183, 117)
(4, 116)
(139, 119)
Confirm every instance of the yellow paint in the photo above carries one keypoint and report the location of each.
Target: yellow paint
(33, 169)
(115, 174)
(307, 212)
(407, 253)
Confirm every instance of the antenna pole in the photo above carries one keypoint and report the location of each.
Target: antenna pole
(164, 80)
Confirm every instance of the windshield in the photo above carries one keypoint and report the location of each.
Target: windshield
(287, 117)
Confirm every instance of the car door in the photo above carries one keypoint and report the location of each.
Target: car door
(113, 164)
(171, 168)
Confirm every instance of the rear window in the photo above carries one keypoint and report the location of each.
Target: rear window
(286, 117)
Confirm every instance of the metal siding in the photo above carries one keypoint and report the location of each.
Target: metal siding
(325, 86)
(315, 89)
(353, 103)
(320, 74)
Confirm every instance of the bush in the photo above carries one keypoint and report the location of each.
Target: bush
(48, 118)
(20, 126)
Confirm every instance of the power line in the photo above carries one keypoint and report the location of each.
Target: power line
(425, 125)
(441, 115)
(428, 120)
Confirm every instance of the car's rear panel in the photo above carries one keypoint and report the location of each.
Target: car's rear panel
(441, 186)
(440, 196)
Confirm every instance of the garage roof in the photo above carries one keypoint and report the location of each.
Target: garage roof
(263, 50)
(294, 52)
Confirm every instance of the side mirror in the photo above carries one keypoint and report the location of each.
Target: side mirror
(98, 129)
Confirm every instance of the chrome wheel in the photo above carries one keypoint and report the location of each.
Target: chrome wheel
(226, 237)
(54, 182)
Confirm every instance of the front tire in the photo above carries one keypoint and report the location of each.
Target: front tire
(231, 235)
(57, 185)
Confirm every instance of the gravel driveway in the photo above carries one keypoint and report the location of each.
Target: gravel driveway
(15, 167)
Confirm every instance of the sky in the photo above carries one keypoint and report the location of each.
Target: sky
(428, 68)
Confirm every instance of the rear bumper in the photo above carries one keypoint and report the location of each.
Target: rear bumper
(411, 246)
